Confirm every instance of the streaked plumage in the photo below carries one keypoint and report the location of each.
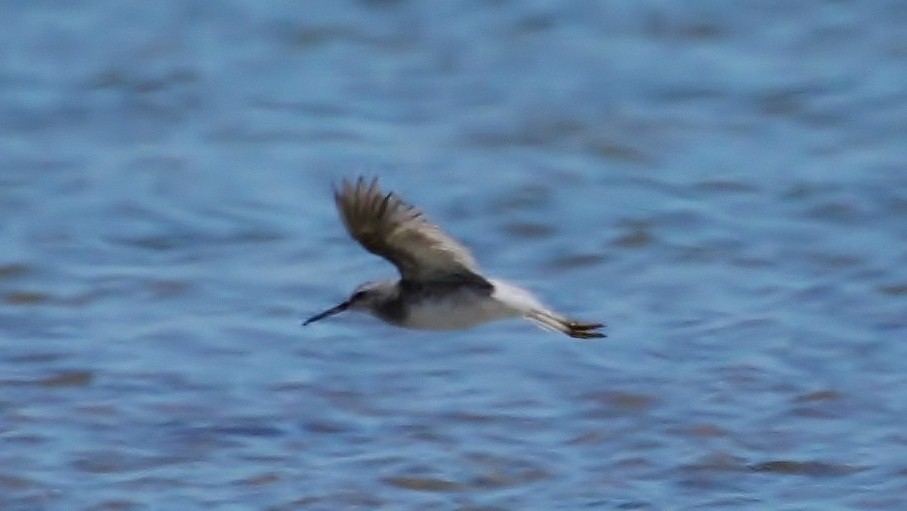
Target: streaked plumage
(441, 286)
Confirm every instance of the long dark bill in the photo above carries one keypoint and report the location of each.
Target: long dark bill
(330, 312)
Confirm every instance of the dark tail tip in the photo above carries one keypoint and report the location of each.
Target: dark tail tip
(579, 330)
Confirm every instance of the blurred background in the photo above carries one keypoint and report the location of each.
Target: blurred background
(723, 183)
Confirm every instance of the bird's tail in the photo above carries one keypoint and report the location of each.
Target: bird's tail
(576, 329)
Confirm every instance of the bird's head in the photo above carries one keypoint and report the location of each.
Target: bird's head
(365, 298)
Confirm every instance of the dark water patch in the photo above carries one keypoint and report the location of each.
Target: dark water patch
(329, 427)
(832, 260)
(132, 382)
(893, 289)
(714, 471)
(684, 93)
(840, 211)
(723, 186)
(247, 430)
(116, 505)
(896, 205)
(37, 499)
(162, 243)
(37, 358)
(263, 479)
(528, 230)
(619, 152)
(75, 378)
(311, 38)
(246, 135)
(131, 80)
(532, 24)
(165, 289)
(717, 462)
(881, 504)
(804, 191)
(195, 441)
(532, 131)
(704, 431)
(26, 298)
(11, 482)
(804, 468)
(426, 484)
(572, 261)
(784, 103)
(182, 241)
(308, 110)
(827, 404)
(614, 403)
(819, 396)
(659, 25)
(496, 472)
(513, 477)
(425, 433)
(524, 198)
(71, 378)
(467, 417)
(589, 438)
(118, 461)
(15, 270)
(333, 499)
(634, 237)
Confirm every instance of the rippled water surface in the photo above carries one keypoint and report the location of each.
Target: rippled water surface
(723, 183)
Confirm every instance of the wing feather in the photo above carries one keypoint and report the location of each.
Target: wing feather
(387, 226)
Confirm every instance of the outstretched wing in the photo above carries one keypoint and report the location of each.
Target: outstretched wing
(387, 226)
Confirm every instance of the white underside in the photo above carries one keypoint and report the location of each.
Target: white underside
(464, 310)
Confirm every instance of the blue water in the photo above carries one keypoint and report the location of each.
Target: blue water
(723, 183)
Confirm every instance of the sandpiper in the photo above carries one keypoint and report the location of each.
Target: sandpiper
(440, 285)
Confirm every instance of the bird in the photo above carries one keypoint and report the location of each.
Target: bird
(440, 285)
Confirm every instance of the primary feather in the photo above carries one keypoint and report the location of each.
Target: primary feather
(387, 226)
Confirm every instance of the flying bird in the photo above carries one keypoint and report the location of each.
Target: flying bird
(440, 285)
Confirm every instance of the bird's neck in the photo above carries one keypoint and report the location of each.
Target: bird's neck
(392, 307)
